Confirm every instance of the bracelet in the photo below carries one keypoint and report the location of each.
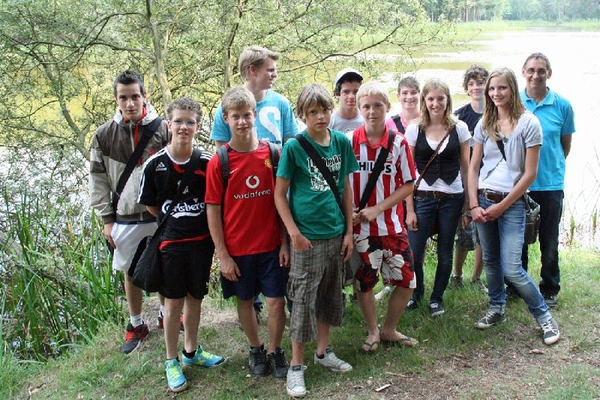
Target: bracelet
(468, 215)
(474, 207)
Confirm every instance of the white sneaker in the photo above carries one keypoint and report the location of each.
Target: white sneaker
(332, 362)
(295, 381)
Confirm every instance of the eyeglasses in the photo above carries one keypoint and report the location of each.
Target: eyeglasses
(531, 71)
(189, 124)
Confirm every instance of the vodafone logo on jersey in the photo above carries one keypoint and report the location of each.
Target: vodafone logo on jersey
(252, 181)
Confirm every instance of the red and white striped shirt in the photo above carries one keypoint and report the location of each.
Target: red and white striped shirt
(398, 169)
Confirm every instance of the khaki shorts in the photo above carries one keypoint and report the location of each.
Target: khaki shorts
(315, 288)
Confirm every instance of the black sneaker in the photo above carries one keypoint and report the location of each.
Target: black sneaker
(412, 305)
(436, 309)
(490, 319)
(133, 337)
(551, 300)
(279, 366)
(258, 360)
(456, 282)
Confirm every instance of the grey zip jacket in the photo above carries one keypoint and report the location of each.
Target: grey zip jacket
(112, 145)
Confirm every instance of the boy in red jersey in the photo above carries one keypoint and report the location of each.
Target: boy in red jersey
(379, 234)
(251, 261)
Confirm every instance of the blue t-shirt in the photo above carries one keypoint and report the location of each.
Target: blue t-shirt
(274, 120)
(557, 119)
(312, 203)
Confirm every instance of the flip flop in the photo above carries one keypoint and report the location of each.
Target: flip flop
(405, 341)
(370, 347)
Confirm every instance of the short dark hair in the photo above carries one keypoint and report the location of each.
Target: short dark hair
(185, 104)
(474, 72)
(127, 78)
(349, 77)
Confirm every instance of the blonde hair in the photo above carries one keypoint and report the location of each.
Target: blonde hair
(237, 98)
(489, 121)
(448, 120)
(254, 56)
(373, 88)
(313, 94)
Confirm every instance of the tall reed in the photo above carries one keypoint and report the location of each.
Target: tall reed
(56, 278)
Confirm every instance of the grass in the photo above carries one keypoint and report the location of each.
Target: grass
(448, 345)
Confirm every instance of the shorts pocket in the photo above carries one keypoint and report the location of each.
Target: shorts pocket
(297, 286)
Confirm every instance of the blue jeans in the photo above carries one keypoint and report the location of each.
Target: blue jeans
(551, 206)
(502, 241)
(446, 212)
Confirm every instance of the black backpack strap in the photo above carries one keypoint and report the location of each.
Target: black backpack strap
(149, 131)
(320, 164)
(274, 158)
(222, 152)
(377, 168)
(398, 122)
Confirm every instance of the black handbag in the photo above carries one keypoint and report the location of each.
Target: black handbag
(145, 269)
(532, 220)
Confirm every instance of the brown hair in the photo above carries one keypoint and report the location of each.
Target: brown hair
(313, 94)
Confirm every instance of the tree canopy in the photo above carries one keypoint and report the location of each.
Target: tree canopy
(59, 57)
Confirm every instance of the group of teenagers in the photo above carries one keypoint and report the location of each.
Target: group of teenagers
(285, 211)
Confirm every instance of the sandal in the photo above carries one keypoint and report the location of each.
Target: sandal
(405, 341)
(370, 347)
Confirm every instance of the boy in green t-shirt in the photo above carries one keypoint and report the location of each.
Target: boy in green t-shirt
(320, 230)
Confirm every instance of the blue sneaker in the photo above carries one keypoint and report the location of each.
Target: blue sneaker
(202, 358)
(175, 378)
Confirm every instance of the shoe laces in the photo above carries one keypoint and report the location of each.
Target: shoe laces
(331, 359)
(174, 370)
(258, 357)
(548, 326)
(279, 358)
(296, 377)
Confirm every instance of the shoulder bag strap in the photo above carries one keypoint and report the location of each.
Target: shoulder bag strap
(398, 122)
(435, 153)
(320, 164)
(149, 131)
(383, 153)
(525, 197)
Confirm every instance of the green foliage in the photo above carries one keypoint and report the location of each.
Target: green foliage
(56, 279)
(59, 58)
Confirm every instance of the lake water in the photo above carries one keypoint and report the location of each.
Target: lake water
(575, 60)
